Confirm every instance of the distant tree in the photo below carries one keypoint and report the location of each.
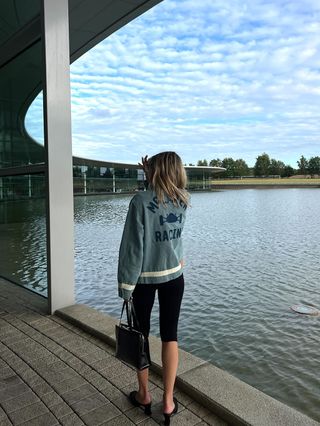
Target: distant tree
(202, 163)
(77, 171)
(261, 167)
(251, 171)
(276, 167)
(303, 165)
(229, 165)
(216, 162)
(108, 174)
(281, 167)
(287, 171)
(190, 164)
(120, 172)
(314, 166)
(241, 168)
(93, 171)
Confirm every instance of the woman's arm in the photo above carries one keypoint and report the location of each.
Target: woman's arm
(131, 250)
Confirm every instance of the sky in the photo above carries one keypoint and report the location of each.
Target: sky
(207, 79)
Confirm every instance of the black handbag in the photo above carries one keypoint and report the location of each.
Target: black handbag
(132, 346)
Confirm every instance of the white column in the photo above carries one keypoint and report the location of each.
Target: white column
(29, 186)
(114, 181)
(85, 182)
(57, 122)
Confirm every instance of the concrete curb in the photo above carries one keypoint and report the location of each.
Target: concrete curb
(231, 399)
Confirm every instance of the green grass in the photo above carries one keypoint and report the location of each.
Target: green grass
(257, 181)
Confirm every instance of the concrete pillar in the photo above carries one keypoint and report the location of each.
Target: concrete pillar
(113, 180)
(85, 182)
(57, 126)
(29, 186)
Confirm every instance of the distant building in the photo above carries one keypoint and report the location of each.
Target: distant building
(31, 34)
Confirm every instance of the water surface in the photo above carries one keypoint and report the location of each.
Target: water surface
(250, 255)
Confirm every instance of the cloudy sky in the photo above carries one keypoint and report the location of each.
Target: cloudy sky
(208, 79)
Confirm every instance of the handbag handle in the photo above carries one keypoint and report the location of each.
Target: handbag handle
(131, 314)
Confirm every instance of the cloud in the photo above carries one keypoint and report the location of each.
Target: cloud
(205, 78)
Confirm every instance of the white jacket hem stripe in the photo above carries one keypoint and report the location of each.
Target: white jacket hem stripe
(161, 273)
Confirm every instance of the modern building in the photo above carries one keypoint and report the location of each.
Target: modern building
(38, 40)
(92, 177)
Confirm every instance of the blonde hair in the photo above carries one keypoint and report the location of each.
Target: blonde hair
(167, 176)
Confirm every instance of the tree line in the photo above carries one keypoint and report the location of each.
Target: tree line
(264, 166)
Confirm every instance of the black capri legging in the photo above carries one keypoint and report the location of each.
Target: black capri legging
(169, 296)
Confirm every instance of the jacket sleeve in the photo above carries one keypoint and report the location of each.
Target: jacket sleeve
(131, 250)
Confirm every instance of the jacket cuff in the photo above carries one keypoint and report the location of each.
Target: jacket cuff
(124, 293)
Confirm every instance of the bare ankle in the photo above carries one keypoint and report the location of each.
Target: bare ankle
(144, 396)
(168, 398)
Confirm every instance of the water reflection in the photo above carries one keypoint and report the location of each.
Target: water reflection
(23, 243)
(250, 255)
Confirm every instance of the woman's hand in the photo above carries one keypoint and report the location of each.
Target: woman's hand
(144, 164)
(145, 167)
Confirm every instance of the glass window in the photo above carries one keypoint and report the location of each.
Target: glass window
(23, 257)
(20, 82)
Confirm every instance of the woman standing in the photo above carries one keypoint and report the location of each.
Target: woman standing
(151, 259)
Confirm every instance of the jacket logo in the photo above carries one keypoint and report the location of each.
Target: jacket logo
(153, 205)
(172, 234)
(170, 218)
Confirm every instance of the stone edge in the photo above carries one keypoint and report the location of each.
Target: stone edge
(236, 404)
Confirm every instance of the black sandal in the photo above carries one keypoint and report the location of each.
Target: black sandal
(174, 411)
(133, 400)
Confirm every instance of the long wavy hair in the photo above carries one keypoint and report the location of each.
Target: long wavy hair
(167, 177)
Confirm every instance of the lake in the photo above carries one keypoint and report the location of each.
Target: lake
(250, 255)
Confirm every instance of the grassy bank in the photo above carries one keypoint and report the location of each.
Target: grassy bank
(283, 181)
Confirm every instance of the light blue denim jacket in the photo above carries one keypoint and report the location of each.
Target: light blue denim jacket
(151, 246)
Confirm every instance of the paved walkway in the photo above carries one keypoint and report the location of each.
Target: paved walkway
(52, 373)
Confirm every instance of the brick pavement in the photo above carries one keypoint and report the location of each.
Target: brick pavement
(53, 373)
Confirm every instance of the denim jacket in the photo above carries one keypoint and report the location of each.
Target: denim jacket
(151, 246)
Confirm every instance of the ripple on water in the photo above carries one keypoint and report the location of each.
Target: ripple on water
(250, 255)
